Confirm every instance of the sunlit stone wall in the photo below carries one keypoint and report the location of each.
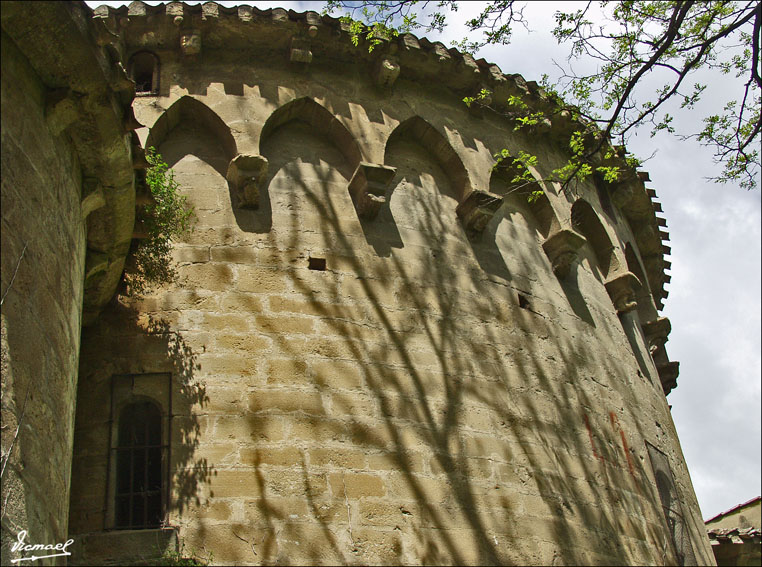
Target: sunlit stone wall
(379, 350)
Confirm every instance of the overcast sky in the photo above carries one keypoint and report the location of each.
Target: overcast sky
(714, 296)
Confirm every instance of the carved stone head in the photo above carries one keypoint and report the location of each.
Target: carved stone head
(625, 302)
(622, 289)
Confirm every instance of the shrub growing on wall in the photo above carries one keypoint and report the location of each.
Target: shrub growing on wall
(166, 219)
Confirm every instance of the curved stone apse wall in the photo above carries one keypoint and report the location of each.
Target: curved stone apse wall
(378, 350)
(67, 217)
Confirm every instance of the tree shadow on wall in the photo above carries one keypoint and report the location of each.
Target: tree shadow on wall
(577, 302)
(289, 147)
(184, 140)
(127, 339)
(474, 433)
(188, 473)
(442, 381)
(382, 233)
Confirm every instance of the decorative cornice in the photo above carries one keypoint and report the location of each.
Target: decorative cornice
(311, 39)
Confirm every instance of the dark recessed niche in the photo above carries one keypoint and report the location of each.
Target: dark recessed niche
(523, 302)
(316, 264)
(144, 70)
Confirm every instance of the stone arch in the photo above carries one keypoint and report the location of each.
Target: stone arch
(306, 110)
(634, 266)
(191, 112)
(542, 212)
(586, 221)
(311, 157)
(604, 198)
(197, 144)
(429, 184)
(418, 130)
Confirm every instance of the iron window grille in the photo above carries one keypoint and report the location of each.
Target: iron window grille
(138, 481)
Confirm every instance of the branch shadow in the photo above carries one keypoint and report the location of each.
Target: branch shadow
(423, 397)
(127, 340)
(424, 416)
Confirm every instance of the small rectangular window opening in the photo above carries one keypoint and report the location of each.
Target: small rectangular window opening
(316, 264)
(144, 67)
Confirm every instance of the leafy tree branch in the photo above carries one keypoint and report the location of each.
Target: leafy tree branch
(631, 46)
(167, 218)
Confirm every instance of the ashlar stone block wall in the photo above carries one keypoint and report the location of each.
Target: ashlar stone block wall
(67, 188)
(42, 306)
(377, 390)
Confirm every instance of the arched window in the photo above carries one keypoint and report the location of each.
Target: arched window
(139, 467)
(673, 510)
(144, 70)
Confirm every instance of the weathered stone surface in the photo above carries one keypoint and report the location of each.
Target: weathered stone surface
(66, 162)
(100, 141)
(477, 209)
(61, 110)
(561, 248)
(246, 173)
(342, 391)
(368, 188)
(140, 546)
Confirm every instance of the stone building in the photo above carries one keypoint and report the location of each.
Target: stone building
(377, 349)
(736, 534)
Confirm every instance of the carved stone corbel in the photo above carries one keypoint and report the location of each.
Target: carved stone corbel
(300, 50)
(176, 12)
(386, 72)
(210, 11)
(657, 332)
(476, 210)
(622, 289)
(561, 248)
(245, 175)
(368, 188)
